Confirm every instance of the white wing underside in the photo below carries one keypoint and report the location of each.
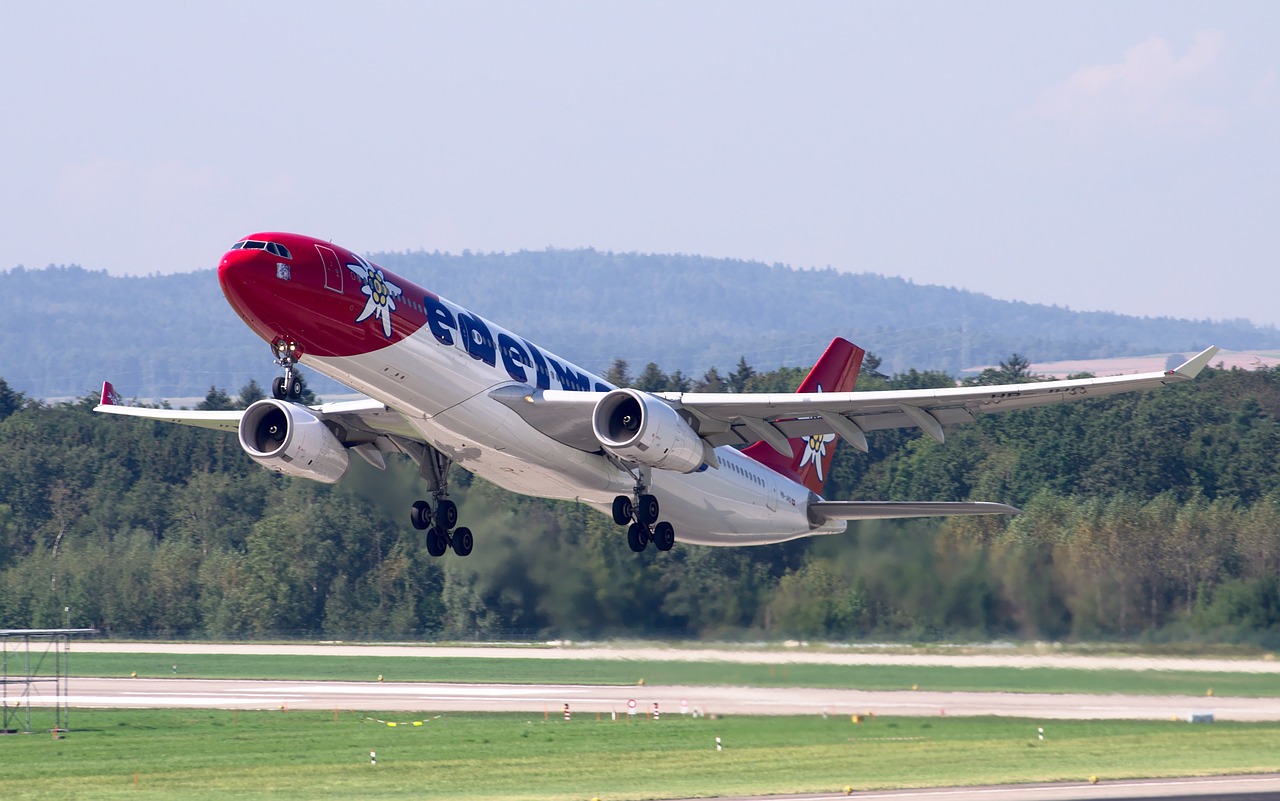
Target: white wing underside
(360, 421)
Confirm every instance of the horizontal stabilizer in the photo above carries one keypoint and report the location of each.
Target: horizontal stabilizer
(885, 510)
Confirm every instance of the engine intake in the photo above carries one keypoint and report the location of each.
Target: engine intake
(289, 439)
(638, 427)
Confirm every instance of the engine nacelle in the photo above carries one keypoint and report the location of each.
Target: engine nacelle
(289, 439)
(638, 427)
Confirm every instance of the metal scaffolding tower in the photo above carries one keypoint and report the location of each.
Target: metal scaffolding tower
(29, 660)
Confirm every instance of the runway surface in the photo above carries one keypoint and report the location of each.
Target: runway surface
(982, 657)
(537, 698)
(1236, 788)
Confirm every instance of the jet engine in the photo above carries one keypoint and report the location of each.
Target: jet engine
(289, 439)
(638, 427)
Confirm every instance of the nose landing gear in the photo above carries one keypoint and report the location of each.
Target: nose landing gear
(287, 386)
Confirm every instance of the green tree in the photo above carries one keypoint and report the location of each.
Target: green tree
(249, 394)
(711, 382)
(216, 400)
(738, 378)
(652, 379)
(10, 400)
(618, 373)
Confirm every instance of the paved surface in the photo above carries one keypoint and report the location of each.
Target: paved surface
(1237, 788)
(771, 656)
(536, 698)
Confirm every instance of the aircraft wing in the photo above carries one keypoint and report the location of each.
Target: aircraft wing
(360, 420)
(742, 419)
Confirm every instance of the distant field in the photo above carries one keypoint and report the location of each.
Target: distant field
(307, 755)
(621, 672)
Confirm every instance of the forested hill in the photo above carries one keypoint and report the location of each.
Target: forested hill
(1151, 515)
(64, 329)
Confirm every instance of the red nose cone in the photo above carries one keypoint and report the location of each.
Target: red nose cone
(243, 275)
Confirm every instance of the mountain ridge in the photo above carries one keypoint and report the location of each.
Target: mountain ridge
(65, 328)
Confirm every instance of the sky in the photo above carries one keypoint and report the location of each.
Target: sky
(1095, 155)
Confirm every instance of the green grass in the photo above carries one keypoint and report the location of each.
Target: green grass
(208, 754)
(600, 672)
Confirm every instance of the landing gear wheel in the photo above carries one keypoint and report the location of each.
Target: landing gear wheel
(446, 514)
(647, 510)
(420, 516)
(623, 508)
(637, 537)
(277, 388)
(437, 542)
(664, 536)
(295, 391)
(462, 541)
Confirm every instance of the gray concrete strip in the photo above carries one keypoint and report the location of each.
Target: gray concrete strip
(766, 656)
(538, 698)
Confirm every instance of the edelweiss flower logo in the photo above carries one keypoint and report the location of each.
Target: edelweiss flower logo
(381, 293)
(815, 449)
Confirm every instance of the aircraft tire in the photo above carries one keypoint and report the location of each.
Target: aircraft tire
(437, 542)
(446, 514)
(622, 510)
(647, 511)
(277, 388)
(637, 537)
(664, 536)
(420, 515)
(463, 542)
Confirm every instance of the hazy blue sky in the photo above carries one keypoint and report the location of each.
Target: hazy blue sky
(1110, 155)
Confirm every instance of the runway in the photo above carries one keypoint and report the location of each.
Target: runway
(1236, 788)
(537, 698)
(975, 657)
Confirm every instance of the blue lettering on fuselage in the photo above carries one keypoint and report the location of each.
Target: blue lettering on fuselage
(440, 320)
(475, 337)
(479, 342)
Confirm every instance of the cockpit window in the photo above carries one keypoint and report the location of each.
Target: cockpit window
(274, 248)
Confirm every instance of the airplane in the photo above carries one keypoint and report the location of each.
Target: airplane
(444, 386)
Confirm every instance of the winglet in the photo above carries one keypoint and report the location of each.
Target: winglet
(1192, 367)
(109, 395)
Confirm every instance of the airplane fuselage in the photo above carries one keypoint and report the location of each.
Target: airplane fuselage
(437, 364)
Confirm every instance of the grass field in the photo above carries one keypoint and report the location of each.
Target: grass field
(284, 755)
(571, 671)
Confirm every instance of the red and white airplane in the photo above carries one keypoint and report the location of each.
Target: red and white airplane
(446, 386)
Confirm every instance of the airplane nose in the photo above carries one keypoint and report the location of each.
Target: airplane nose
(247, 281)
(237, 265)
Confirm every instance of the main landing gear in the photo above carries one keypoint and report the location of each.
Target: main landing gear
(639, 513)
(287, 386)
(439, 523)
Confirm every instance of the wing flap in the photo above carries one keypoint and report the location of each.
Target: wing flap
(801, 414)
(886, 510)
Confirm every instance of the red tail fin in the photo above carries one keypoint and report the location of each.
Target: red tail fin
(836, 371)
(109, 395)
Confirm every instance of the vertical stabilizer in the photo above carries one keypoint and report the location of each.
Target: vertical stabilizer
(811, 457)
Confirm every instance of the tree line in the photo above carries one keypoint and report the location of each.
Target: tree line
(1154, 515)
